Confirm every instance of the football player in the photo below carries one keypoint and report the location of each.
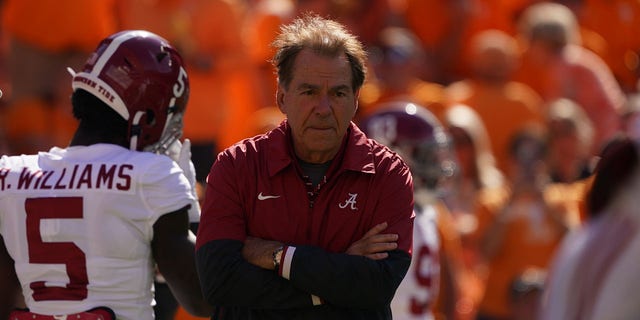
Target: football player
(82, 227)
(417, 136)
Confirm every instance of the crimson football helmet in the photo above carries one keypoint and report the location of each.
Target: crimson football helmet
(418, 137)
(141, 76)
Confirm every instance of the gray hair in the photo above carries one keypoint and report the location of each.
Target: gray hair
(323, 36)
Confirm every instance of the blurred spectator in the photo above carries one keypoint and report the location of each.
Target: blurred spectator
(483, 15)
(260, 27)
(525, 229)
(525, 294)
(593, 275)
(439, 26)
(396, 61)
(570, 139)
(43, 40)
(476, 168)
(452, 301)
(505, 106)
(556, 65)
(445, 29)
(476, 175)
(570, 161)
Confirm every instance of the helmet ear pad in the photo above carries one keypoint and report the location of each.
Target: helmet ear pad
(142, 126)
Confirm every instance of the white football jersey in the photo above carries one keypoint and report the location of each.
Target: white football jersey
(595, 271)
(418, 290)
(79, 222)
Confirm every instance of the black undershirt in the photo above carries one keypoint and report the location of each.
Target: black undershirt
(315, 172)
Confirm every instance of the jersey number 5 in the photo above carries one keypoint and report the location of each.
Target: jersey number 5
(66, 253)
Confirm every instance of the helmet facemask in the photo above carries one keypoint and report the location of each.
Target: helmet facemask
(171, 133)
(433, 165)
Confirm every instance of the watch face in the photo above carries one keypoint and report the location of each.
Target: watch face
(277, 256)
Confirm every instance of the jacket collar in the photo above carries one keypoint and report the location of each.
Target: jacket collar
(355, 152)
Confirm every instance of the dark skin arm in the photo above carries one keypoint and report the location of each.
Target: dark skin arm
(173, 248)
(11, 293)
(373, 245)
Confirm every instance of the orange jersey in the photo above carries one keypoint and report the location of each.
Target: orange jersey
(580, 75)
(451, 265)
(504, 110)
(532, 232)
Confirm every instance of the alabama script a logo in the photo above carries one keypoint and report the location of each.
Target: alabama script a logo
(351, 202)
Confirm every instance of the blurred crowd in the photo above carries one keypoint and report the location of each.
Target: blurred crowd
(529, 91)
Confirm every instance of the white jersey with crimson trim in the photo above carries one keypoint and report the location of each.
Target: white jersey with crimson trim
(78, 223)
(416, 295)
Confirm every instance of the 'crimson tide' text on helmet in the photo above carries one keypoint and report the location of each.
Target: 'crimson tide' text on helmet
(142, 77)
(418, 137)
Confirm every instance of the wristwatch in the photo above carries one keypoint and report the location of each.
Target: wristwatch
(277, 255)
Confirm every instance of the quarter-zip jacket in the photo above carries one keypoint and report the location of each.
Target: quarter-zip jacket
(255, 188)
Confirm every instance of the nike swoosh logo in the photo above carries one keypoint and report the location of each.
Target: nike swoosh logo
(263, 197)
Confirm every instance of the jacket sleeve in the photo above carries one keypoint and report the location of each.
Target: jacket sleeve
(345, 280)
(230, 281)
(226, 278)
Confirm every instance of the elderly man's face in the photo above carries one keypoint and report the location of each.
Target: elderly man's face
(319, 104)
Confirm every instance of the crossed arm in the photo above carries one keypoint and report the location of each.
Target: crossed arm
(373, 245)
(236, 274)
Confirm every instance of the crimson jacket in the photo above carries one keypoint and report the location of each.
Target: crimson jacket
(255, 188)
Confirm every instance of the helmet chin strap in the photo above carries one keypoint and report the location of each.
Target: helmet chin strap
(133, 143)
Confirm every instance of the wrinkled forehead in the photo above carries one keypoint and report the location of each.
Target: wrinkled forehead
(320, 69)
